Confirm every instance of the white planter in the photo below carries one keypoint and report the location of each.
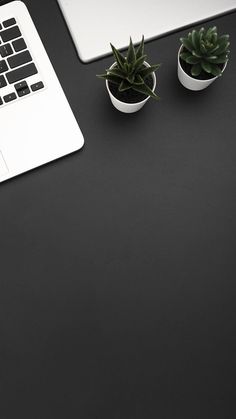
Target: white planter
(129, 107)
(190, 82)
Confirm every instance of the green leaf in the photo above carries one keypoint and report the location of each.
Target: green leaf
(146, 90)
(120, 59)
(223, 47)
(210, 32)
(130, 78)
(116, 72)
(212, 57)
(149, 70)
(140, 49)
(212, 29)
(215, 49)
(197, 54)
(195, 39)
(185, 55)
(138, 79)
(110, 77)
(203, 48)
(214, 38)
(193, 60)
(216, 71)
(131, 55)
(196, 70)
(219, 60)
(223, 38)
(187, 44)
(139, 63)
(206, 66)
(125, 85)
(130, 68)
(126, 67)
(201, 35)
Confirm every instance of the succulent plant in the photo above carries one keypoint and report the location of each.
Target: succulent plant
(205, 51)
(130, 72)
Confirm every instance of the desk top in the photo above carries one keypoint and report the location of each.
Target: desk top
(117, 283)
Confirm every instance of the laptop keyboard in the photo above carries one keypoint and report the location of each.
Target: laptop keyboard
(16, 64)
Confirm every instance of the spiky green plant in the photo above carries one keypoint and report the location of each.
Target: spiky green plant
(205, 51)
(130, 72)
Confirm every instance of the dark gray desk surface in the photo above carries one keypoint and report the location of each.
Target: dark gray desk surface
(118, 268)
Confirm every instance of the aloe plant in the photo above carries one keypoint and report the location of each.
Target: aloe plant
(130, 72)
(205, 51)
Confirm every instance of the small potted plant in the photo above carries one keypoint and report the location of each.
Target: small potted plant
(202, 58)
(130, 80)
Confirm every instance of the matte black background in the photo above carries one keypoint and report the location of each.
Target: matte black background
(117, 264)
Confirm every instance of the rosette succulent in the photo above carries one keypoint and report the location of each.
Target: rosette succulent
(130, 72)
(205, 51)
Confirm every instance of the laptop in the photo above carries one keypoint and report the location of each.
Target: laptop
(94, 24)
(37, 123)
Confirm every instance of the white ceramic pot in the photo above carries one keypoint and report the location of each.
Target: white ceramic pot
(129, 107)
(190, 82)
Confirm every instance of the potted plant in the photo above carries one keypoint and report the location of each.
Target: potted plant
(130, 80)
(202, 58)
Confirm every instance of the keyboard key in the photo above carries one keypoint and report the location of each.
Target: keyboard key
(21, 73)
(1, 102)
(0, 27)
(10, 34)
(22, 88)
(3, 66)
(19, 59)
(37, 86)
(22, 85)
(3, 82)
(9, 22)
(10, 97)
(24, 92)
(19, 45)
(6, 50)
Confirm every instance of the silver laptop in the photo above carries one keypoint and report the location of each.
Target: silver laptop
(94, 24)
(37, 124)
